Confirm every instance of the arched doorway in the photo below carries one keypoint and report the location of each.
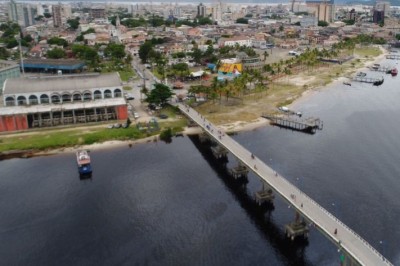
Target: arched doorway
(33, 100)
(21, 100)
(87, 96)
(55, 98)
(117, 93)
(10, 101)
(44, 98)
(107, 94)
(66, 98)
(77, 97)
(97, 95)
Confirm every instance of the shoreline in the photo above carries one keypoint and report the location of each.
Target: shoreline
(233, 127)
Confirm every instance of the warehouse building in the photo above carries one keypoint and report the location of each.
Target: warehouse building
(61, 100)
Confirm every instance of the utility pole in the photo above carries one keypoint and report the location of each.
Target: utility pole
(18, 37)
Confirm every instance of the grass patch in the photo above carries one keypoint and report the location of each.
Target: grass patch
(125, 74)
(127, 88)
(52, 140)
(368, 51)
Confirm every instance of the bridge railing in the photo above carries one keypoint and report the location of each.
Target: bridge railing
(338, 221)
(310, 200)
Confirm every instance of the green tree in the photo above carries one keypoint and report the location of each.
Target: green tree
(197, 55)
(242, 21)
(28, 38)
(85, 52)
(115, 50)
(47, 15)
(160, 94)
(144, 51)
(56, 53)
(73, 23)
(38, 18)
(4, 54)
(322, 23)
(58, 41)
(205, 21)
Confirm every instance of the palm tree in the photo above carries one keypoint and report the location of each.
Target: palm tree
(265, 55)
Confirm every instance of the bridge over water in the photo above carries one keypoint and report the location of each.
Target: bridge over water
(346, 239)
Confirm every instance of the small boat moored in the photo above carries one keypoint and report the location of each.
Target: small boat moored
(361, 74)
(378, 82)
(83, 160)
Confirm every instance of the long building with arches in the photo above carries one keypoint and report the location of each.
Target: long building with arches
(58, 100)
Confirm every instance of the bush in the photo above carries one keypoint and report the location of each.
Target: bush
(166, 135)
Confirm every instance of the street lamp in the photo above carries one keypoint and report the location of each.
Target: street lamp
(18, 38)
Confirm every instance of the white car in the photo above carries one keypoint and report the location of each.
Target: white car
(136, 115)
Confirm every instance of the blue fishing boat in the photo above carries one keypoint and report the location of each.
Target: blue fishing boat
(83, 160)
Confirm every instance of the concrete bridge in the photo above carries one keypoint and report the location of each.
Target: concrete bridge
(348, 241)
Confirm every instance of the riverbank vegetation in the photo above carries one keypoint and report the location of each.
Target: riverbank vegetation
(54, 138)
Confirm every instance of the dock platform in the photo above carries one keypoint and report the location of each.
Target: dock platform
(384, 69)
(309, 125)
(367, 80)
(393, 56)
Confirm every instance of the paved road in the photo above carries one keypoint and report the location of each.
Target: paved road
(344, 238)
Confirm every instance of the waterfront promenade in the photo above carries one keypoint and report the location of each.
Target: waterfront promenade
(341, 235)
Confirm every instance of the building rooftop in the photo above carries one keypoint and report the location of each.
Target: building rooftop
(67, 64)
(60, 83)
(7, 65)
(14, 110)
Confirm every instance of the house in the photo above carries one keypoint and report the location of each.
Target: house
(238, 40)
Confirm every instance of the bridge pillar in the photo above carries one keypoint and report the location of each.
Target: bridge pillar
(297, 228)
(239, 171)
(219, 152)
(203, 137)
(266, 195)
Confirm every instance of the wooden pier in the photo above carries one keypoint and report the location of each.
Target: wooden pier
(381, 69)
(367, 80)
(393, 56)
(310, 125)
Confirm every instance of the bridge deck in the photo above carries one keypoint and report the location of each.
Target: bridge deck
(346, 238)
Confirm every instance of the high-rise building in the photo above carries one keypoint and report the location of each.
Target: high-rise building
(56, 10)
(383, 5)
(379, 16)
(29, 14)
(217, 12)
(23, 14)
(177, 11)
(201, 10)
(97, 12)
(323, 10)
(12, 11)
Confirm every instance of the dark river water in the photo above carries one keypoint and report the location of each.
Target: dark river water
(173, 204)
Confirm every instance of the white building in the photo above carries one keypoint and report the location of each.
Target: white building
(240, 40)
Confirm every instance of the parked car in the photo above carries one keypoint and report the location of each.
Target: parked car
(163, 116)
(117, 125)
(136, 115)
(129, 96)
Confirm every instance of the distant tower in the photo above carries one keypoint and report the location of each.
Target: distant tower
(56, 9)
(12, 11)
(117, 21)
(201, 10)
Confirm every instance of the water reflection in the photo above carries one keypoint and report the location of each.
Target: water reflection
(293, 251)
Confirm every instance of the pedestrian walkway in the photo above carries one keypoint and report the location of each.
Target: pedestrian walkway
(348, 240)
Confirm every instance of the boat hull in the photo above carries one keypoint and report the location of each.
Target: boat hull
(85, 169)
